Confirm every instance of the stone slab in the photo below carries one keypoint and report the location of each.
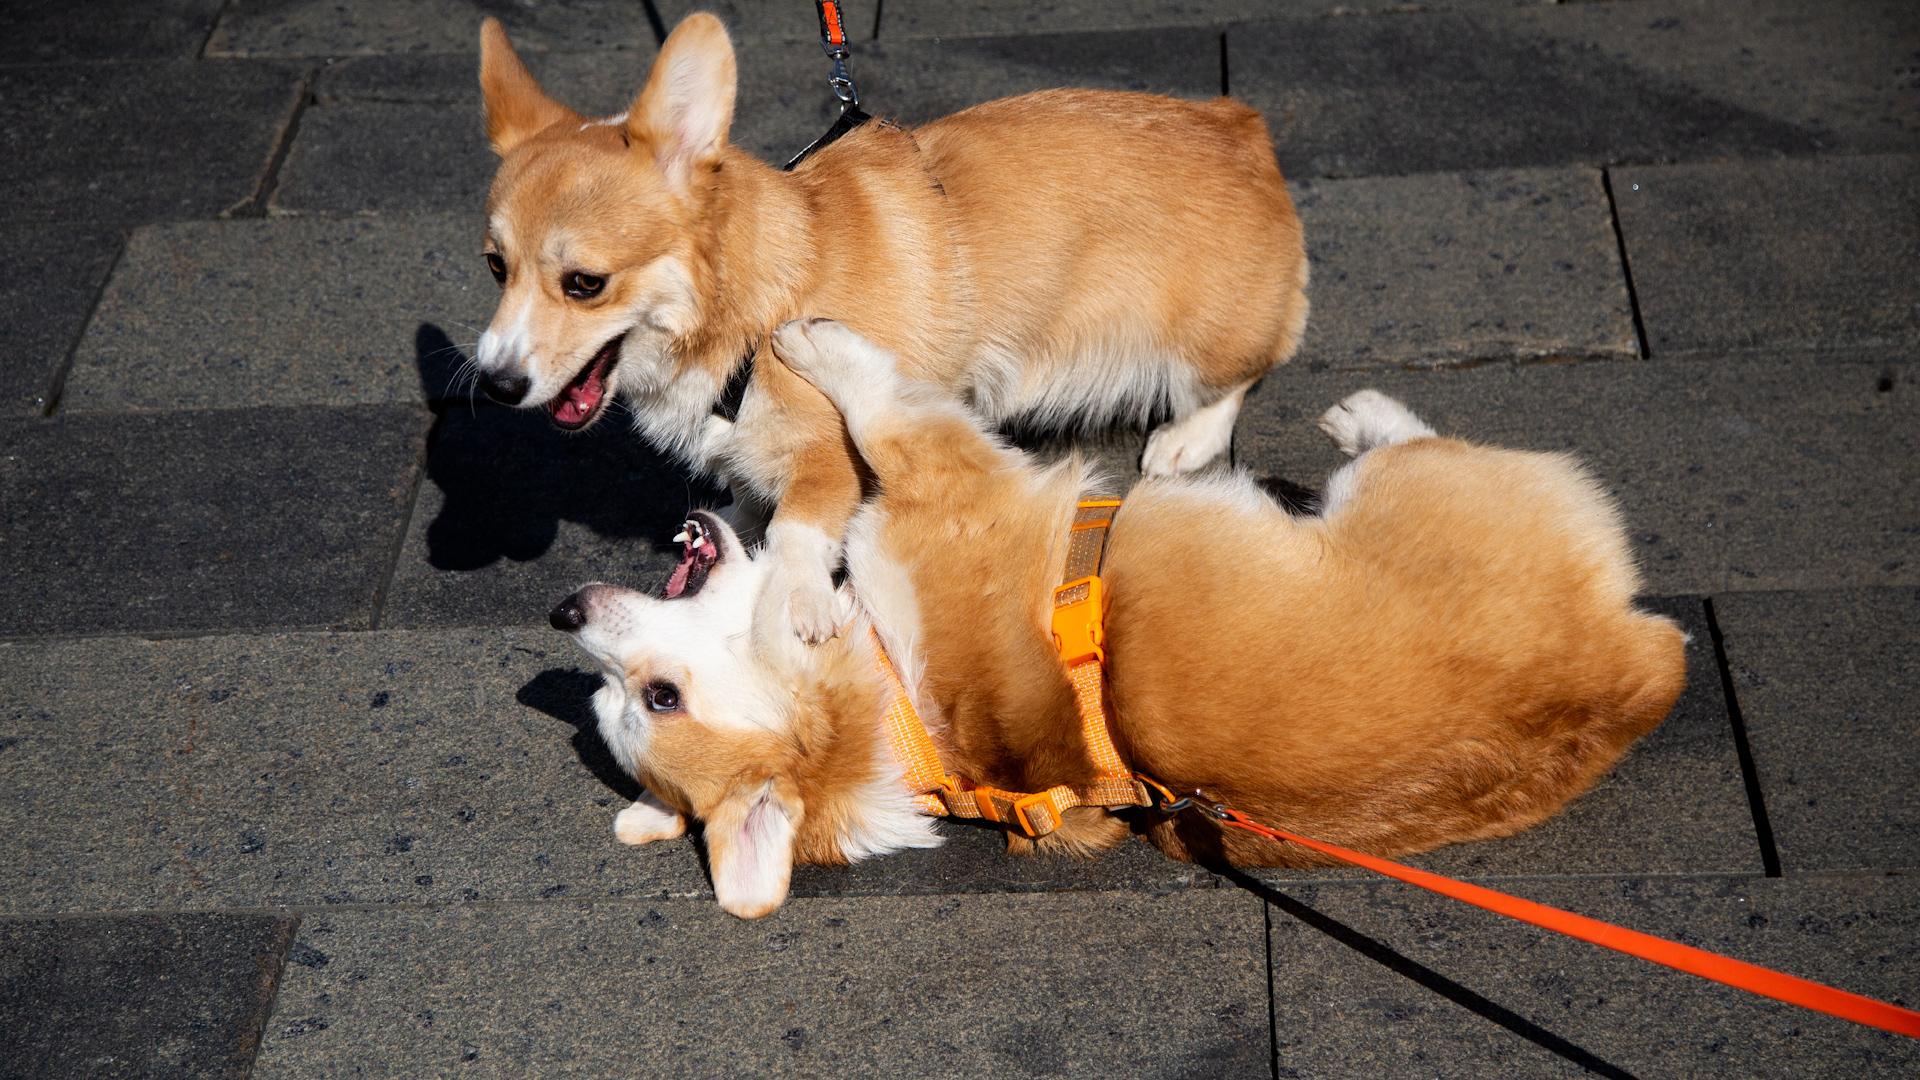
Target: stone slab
(1675, 804)
(203, 520)
(1826, 683)
(147, 996)
(823, 987)
(353, 27)
(381, 137)
(1579, 83)
(1463, 268)
(514, 515)
(47, 287)
(899, 19)
(309, 769)
(1765, 471)
(39, 31)
(239, 314)
(1387, 980)
(138, 141)
(1767, 254)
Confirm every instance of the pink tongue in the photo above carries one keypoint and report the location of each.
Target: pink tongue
(580, 400)
(677, 584)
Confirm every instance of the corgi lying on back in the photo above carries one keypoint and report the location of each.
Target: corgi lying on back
(1449, 651)
(1068, 258)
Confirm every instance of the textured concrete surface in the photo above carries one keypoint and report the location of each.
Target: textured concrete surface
(1382, 980)
(87, 144)
(38, 31)
(350, 27)
(148, 996)
(1587, 83)
(312, 769)
(1047, 985)
(275, 695)
(47, 289)
(1827, 684)
(1462, 268)
(1814, 254)
(233, 314)
(196, 521)
(1780, 471)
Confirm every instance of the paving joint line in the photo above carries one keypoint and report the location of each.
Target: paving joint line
(1743, 747)
(1273, 1006)
(377, 608)
(213, 27)
(1406, 967)
(273, 994)
(1626, 268)
(654, 20)
(57, 386)
(257, 204)
(1224, 84)
(879, 9)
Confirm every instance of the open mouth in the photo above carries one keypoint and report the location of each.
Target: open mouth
(580, 401)
(699, 554)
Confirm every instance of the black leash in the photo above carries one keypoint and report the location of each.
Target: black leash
(833, 39)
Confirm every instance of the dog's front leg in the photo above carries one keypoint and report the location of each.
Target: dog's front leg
(810, 523)
(647, 820)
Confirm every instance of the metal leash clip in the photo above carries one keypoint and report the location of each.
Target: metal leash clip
(1199, 800)
(833, 39)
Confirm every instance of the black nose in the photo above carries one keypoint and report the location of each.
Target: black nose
(505, 389)
(569, 615)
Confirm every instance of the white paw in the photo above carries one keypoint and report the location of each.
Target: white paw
(647, 820)
(1367, 419)
(814, 608)
(817, 348)
(1184, 446)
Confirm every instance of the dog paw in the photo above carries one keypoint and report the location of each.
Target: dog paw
(814, 608)
(812, 347)
(1367, 419)
(646, 821)
(1182, 447)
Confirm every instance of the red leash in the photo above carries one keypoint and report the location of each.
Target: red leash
(1721, 969)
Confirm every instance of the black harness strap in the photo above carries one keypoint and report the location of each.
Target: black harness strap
(833, 39)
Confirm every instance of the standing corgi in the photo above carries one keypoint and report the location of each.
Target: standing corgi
(1065, 258)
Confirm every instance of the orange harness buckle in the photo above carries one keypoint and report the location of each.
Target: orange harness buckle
(1079, 611)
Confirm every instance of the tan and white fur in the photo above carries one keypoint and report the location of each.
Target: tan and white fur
(1449, 651)
(1067, 258)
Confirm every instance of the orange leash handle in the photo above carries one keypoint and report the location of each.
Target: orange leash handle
(1721, 969)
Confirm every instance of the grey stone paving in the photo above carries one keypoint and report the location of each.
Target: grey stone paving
(145, 996)
(88, 144)
(1827, 684)
(1464, 267)
(300, 785)
(1580, 83)
(1817, 253)
(48, 286)
(232, 314)
(271, 518)
(1401, 982)
(1044, 985)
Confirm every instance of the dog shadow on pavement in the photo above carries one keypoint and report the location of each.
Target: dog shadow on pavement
(507, 479)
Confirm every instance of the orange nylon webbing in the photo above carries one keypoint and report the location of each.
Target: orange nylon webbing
(1721, 969)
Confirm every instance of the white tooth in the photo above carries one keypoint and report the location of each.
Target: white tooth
(680, 537)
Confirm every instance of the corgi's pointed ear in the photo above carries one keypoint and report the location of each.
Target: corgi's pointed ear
(517, 109)
(684, 112)
(750, 847)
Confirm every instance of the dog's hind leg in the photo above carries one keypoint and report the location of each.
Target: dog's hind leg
(1363, 421)
(1183, 445)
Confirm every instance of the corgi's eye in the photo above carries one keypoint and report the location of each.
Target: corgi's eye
(583, 286)
(662, 697)
(498, 265)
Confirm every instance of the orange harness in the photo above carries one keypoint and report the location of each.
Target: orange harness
(1078, 611)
